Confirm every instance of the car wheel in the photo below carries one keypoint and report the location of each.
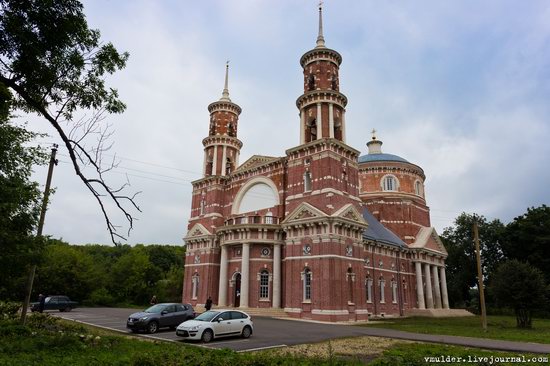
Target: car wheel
(61, 310)
(68, 308)
(207, 336)
(247, 331)
(152, 327)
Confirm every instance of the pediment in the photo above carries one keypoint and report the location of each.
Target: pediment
(303, 212)
(255, 161)
(349, 212)
(197, 230)
(427, 238)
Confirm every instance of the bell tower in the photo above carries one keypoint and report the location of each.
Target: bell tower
(222, 147)
(322, 106)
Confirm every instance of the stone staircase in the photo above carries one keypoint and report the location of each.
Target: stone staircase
(267, 312)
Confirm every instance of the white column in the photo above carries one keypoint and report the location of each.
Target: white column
(330, 121)
(205, 162)
(444, 296)
(319, 122)
(222, 295)
(302, 126)
(437, 295)
(429, 296)
(343, 126)
(419, 286)
(238, 155)
(245, 275)
(215, 160)
(224, 159)
(277, 276)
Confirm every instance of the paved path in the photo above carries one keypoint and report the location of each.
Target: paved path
(270, 333)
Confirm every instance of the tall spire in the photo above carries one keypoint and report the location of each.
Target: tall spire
(320, 38)
(225, 93)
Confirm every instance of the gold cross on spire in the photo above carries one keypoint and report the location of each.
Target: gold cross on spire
(373, 134)
(321, 4)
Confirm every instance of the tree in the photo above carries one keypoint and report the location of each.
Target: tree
(520, 286)
(20, 201)
(461, 262)
(527, 238)
(56, 67)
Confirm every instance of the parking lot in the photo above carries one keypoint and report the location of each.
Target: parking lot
(268, 332)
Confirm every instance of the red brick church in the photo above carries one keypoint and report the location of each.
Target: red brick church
(322, 232)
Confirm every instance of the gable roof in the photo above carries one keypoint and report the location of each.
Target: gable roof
(427, 238)
(378, 232)
(255, 161)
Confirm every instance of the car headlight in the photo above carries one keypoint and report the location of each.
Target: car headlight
(195, 328)
(144, 318)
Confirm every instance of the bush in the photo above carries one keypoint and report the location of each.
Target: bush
(9, 309)
(101, 297)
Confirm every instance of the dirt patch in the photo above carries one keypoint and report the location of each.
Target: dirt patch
(359, 348)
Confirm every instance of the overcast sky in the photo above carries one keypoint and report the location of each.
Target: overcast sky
(461, 88)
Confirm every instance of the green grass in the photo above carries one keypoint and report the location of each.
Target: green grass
(420, 354)
(499, 327)
(46, 340)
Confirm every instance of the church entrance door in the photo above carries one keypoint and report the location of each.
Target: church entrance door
(237, 293)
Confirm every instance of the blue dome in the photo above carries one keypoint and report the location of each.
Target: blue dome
(381, 157)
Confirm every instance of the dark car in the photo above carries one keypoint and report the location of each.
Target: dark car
(160, 316)
(61, 303)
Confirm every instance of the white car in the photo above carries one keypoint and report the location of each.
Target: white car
(216, 323)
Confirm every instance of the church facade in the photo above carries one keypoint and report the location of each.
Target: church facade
(322, 232)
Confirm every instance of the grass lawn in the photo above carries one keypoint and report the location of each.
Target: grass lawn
(499, 327)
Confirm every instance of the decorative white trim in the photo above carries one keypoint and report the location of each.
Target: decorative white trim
(293, 310)
(252, 182)
(329, 312)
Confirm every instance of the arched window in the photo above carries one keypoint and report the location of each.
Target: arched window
(404, 291)
(351, 279)
(334, 84)
(195, 283)
(311, 82)
(307, 284)
(231, 129)
(418, 188)
(228, 166)
(394, 291)
(312, 127)
(209, 166)
(202, 206)
(264, 284)
(368, 283)
(382, 284)
(390, 183)
(307, 181)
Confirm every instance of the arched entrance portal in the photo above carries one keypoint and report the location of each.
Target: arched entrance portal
(237, 290)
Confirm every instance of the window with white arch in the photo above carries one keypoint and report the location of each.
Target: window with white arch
(259, 195)
(195, 282)
(264, 284)
(390, 183)
(418, 189)
(307, 284)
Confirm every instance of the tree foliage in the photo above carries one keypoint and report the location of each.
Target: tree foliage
(103, 275)
(520, 286)
(20, 200)
(56, 67)
(527, 238)
(461, 262)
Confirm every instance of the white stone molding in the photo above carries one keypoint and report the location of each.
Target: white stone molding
(252, 182)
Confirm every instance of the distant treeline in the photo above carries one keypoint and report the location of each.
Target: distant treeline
(105, 275)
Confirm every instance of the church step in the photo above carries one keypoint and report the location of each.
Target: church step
(269, 312)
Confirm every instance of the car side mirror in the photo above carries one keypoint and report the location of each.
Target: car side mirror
(220, 319)
(164, 312)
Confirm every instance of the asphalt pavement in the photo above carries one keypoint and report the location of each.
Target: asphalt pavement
(272, 333)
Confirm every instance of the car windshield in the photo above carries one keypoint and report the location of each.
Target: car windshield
(207, 316)
(157, 309)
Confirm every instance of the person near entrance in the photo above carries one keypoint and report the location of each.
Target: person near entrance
(208, 304)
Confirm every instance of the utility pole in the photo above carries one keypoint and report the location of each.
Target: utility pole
(480, 286)
(32, 271)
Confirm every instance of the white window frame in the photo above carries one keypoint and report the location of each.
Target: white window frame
(264, 285)
(394, 186)
(382, 285)
(418, 188)
(369, 290)
(307, 181)
(394, 291)
(307, 285)
(195, 281)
